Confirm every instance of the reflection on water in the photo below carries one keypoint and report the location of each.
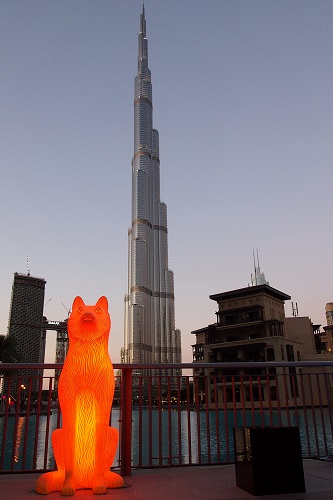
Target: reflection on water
(18, 441)
(22, 449)
(184, 437)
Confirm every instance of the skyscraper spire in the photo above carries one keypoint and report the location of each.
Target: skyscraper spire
(150, 335)
(258, 278)
(143, 21)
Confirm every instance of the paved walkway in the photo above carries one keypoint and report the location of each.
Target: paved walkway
(181, 483)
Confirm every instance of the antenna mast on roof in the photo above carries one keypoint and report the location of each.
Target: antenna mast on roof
(28, 268)
(294, 309)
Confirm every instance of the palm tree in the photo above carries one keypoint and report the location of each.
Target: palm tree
(8, 353)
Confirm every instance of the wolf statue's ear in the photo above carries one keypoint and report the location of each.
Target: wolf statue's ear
(103, 303)
(78, 302)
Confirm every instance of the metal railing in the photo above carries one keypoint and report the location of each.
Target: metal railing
(173, 420)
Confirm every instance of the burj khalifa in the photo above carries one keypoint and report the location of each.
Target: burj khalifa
(150, 335)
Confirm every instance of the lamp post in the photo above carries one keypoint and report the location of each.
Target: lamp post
(23, 394)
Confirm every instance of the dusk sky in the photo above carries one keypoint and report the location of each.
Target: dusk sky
(243, 102)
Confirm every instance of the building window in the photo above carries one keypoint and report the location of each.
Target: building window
(290, 353)
(229, 320)
(270, 354)
(252, 316)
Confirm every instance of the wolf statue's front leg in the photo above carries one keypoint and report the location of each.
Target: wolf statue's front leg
(62, 479)
(69, 459)
(107, 440)
(53, 481)
(112, 480)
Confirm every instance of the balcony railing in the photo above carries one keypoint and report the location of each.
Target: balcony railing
(172, 420)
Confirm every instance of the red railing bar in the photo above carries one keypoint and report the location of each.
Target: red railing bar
(260, 402)
(4, 434)
(17, 413)
(313, 414)
(38, 404)
(126, 424)
(242, 396)
(179, 422)
(150, 421)
(328, 398)
(207, 417)
(269, 399)
(252, 402)
(26, 429)
(321, 413)
(286, 395)
(226, 423)
(140, 410)
(305, 414)
(294, 386)
(160, 427)
(169, 423)
(188, 409)
(197, 403)
(217, 427)
(49, 399)
(278, 404)
(233, 388)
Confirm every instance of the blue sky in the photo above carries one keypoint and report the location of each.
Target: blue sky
(243, 101)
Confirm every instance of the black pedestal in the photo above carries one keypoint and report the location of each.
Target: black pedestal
(268, 460)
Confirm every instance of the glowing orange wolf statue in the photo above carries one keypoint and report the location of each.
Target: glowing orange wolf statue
(85, 446)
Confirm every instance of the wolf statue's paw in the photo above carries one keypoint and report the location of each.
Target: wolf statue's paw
(51, 481)
(99, 489)
(68, 488)
(113, 480)
(99, 485)
(68, 491)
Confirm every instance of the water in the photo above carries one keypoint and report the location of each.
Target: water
(184, 437)
(194, 438)
(38, 455)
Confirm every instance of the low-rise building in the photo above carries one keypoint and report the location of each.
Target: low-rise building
(251, 326)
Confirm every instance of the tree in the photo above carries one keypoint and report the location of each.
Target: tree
(8, 353)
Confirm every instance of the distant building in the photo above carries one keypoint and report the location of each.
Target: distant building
(302, 330)
(329, 313)
(327, 336)
(26, 320)
(251, 326)
(62, 343)
(316, 346)
(250, 322)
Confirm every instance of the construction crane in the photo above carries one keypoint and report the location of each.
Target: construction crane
(68, 310)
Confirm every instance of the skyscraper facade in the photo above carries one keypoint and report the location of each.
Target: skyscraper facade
(150, 335)
(26, 320)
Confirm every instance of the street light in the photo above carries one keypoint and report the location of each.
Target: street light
(23, 388)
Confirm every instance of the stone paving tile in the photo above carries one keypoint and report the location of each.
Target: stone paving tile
(181, 483)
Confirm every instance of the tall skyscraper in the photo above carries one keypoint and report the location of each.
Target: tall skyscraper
(26, 320)
(150, 335)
